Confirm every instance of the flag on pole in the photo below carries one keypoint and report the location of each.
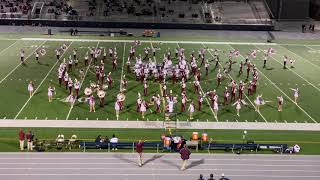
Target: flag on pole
(270, 51)
(253, 54)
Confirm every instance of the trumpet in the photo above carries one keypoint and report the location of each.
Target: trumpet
(121, 97)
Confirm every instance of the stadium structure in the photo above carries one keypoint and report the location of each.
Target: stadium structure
(119, 89)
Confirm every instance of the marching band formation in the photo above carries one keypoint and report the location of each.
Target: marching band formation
(172, 69)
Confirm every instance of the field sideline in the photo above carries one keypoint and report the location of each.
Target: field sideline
(274, 81)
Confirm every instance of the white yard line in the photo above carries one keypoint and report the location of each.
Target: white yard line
(41, 83)
(8, 47)
(243, 93)
(124, 51)
(306, 60)
(271, 82)
(206, 98)
(293, 72)
(21, 62)
(85, 74)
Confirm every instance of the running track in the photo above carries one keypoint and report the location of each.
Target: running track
(122, 166)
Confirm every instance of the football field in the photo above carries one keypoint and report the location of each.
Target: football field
(273, 81)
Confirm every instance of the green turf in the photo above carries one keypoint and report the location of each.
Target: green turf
(309, 141)
(274, 81)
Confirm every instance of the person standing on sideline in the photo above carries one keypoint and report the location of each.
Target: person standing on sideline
(185, 155)
(22, 136)
(29, 137)
(139, 149)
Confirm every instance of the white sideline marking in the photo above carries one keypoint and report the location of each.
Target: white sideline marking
(294, 72)
(144, 41)
(243, 93)
(85, 74)
(41, 83)
(286, 94)
(21, 62)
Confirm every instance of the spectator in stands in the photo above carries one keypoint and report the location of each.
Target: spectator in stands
(185, 155)
(21, 139)
(211, 177)
(114, 141)
(29, 138)
(139, 149)
(98, 141)
(201, 177)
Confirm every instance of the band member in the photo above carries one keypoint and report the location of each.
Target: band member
(117, 108)
(37, 56)
(76, 88)
(174, 77)
(219, 77)
(109, 80)
(285, 59)
(92, 104)
(157, 102)
(183, 101)
(143, 108)
(60, 75)
(71, 99)
(295, 94)
(280, 103)
(86, 59)
(114, 63)
(259, 101)
(206, 66)
(104, 55)
(250, 88)
(58, 54)
(291, 63)
(50, 93)
(96, 54)
(183, 85)
(196, 84)
(145, 87)
(238, 106)
(101, 95)
(74, 54)
(248, 69)
(191, 110)
(76, 61)
(30, 88)
(226, 96)
(22, 55)
(102, 75)
(265, 58)
(241, 67)
(124, 82)
(233, 93)
(70, 62)
(70, 85)
(128, 65)
(240, 89)
(81, 74)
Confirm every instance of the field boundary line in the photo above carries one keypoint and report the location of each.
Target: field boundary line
(7, 123)
(42, 82)
(124, 51)
(243, 93)
(214, 115)
(21, 62)
(3, 50)
(85, 74)
(294, 72)
(304, 59)
(147, 41)
(285, 93)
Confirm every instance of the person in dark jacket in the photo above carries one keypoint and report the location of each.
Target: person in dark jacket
(211, 177)
(185, 155)
(201, 177)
